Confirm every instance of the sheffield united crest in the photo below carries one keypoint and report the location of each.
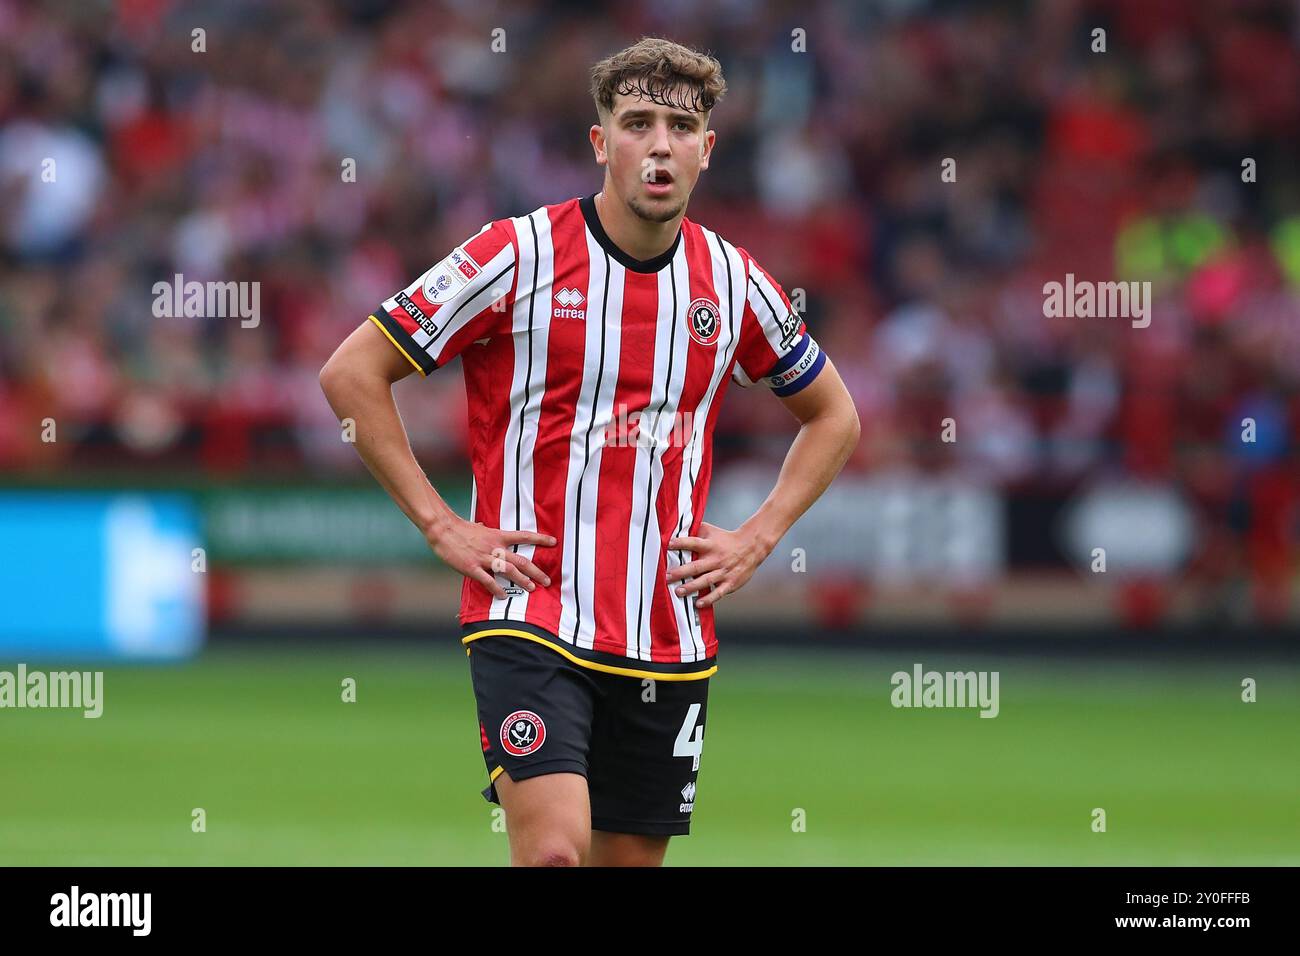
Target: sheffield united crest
(522, 733)
(703, 321)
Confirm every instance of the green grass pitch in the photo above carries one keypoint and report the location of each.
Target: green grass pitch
(289, 774)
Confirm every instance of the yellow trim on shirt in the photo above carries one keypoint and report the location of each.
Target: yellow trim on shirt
(381, 328)
(606, 668)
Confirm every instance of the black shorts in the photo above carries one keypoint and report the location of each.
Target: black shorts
(637, 741)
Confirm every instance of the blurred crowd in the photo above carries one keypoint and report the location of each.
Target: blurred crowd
(1163, 149)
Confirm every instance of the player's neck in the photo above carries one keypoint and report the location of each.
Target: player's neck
(637, 237)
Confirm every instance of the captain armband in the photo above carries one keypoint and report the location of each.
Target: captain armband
(797, 368)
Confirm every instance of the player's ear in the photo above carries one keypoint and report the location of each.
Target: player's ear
(709, 138)
(597, 135)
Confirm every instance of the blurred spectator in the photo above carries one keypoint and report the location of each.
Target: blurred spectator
(126, 157)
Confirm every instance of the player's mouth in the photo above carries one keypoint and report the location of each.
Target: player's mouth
(661, 184)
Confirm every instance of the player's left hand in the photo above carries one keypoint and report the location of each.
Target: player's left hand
(724, 561)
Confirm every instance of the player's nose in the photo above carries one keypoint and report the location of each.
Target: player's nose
(662, 143)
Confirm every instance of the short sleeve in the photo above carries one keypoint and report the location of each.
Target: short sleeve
(775, 348)
(465, 297)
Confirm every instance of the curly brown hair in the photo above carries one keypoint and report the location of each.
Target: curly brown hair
(663, 72)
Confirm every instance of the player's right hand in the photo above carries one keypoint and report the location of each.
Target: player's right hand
(479, 552)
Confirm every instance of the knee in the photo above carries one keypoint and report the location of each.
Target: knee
(551, 854)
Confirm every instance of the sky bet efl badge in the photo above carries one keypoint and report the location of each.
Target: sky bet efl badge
(522, 733)
(702, 320)
(449, 276)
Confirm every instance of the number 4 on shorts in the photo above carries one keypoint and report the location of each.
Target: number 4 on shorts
(690, 739)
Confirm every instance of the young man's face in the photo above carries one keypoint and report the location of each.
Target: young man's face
(653, 153)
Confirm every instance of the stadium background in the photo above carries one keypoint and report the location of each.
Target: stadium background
(1119, 689)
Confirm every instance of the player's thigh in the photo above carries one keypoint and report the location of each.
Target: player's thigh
(548, 819)
(535, 713)
(646, 748)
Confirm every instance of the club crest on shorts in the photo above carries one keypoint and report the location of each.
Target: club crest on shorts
(522, 733)
(703, 322)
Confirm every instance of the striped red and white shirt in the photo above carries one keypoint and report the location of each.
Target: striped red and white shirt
(594, 382)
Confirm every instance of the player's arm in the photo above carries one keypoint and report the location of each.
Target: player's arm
(358, 383)
(776, 349)
(829, 431)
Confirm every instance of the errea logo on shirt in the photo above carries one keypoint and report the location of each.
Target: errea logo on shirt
(566, 304)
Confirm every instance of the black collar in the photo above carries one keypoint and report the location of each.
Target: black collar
(588, 206)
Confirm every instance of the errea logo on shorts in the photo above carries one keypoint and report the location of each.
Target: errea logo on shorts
(567, 302)
(688, 795)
